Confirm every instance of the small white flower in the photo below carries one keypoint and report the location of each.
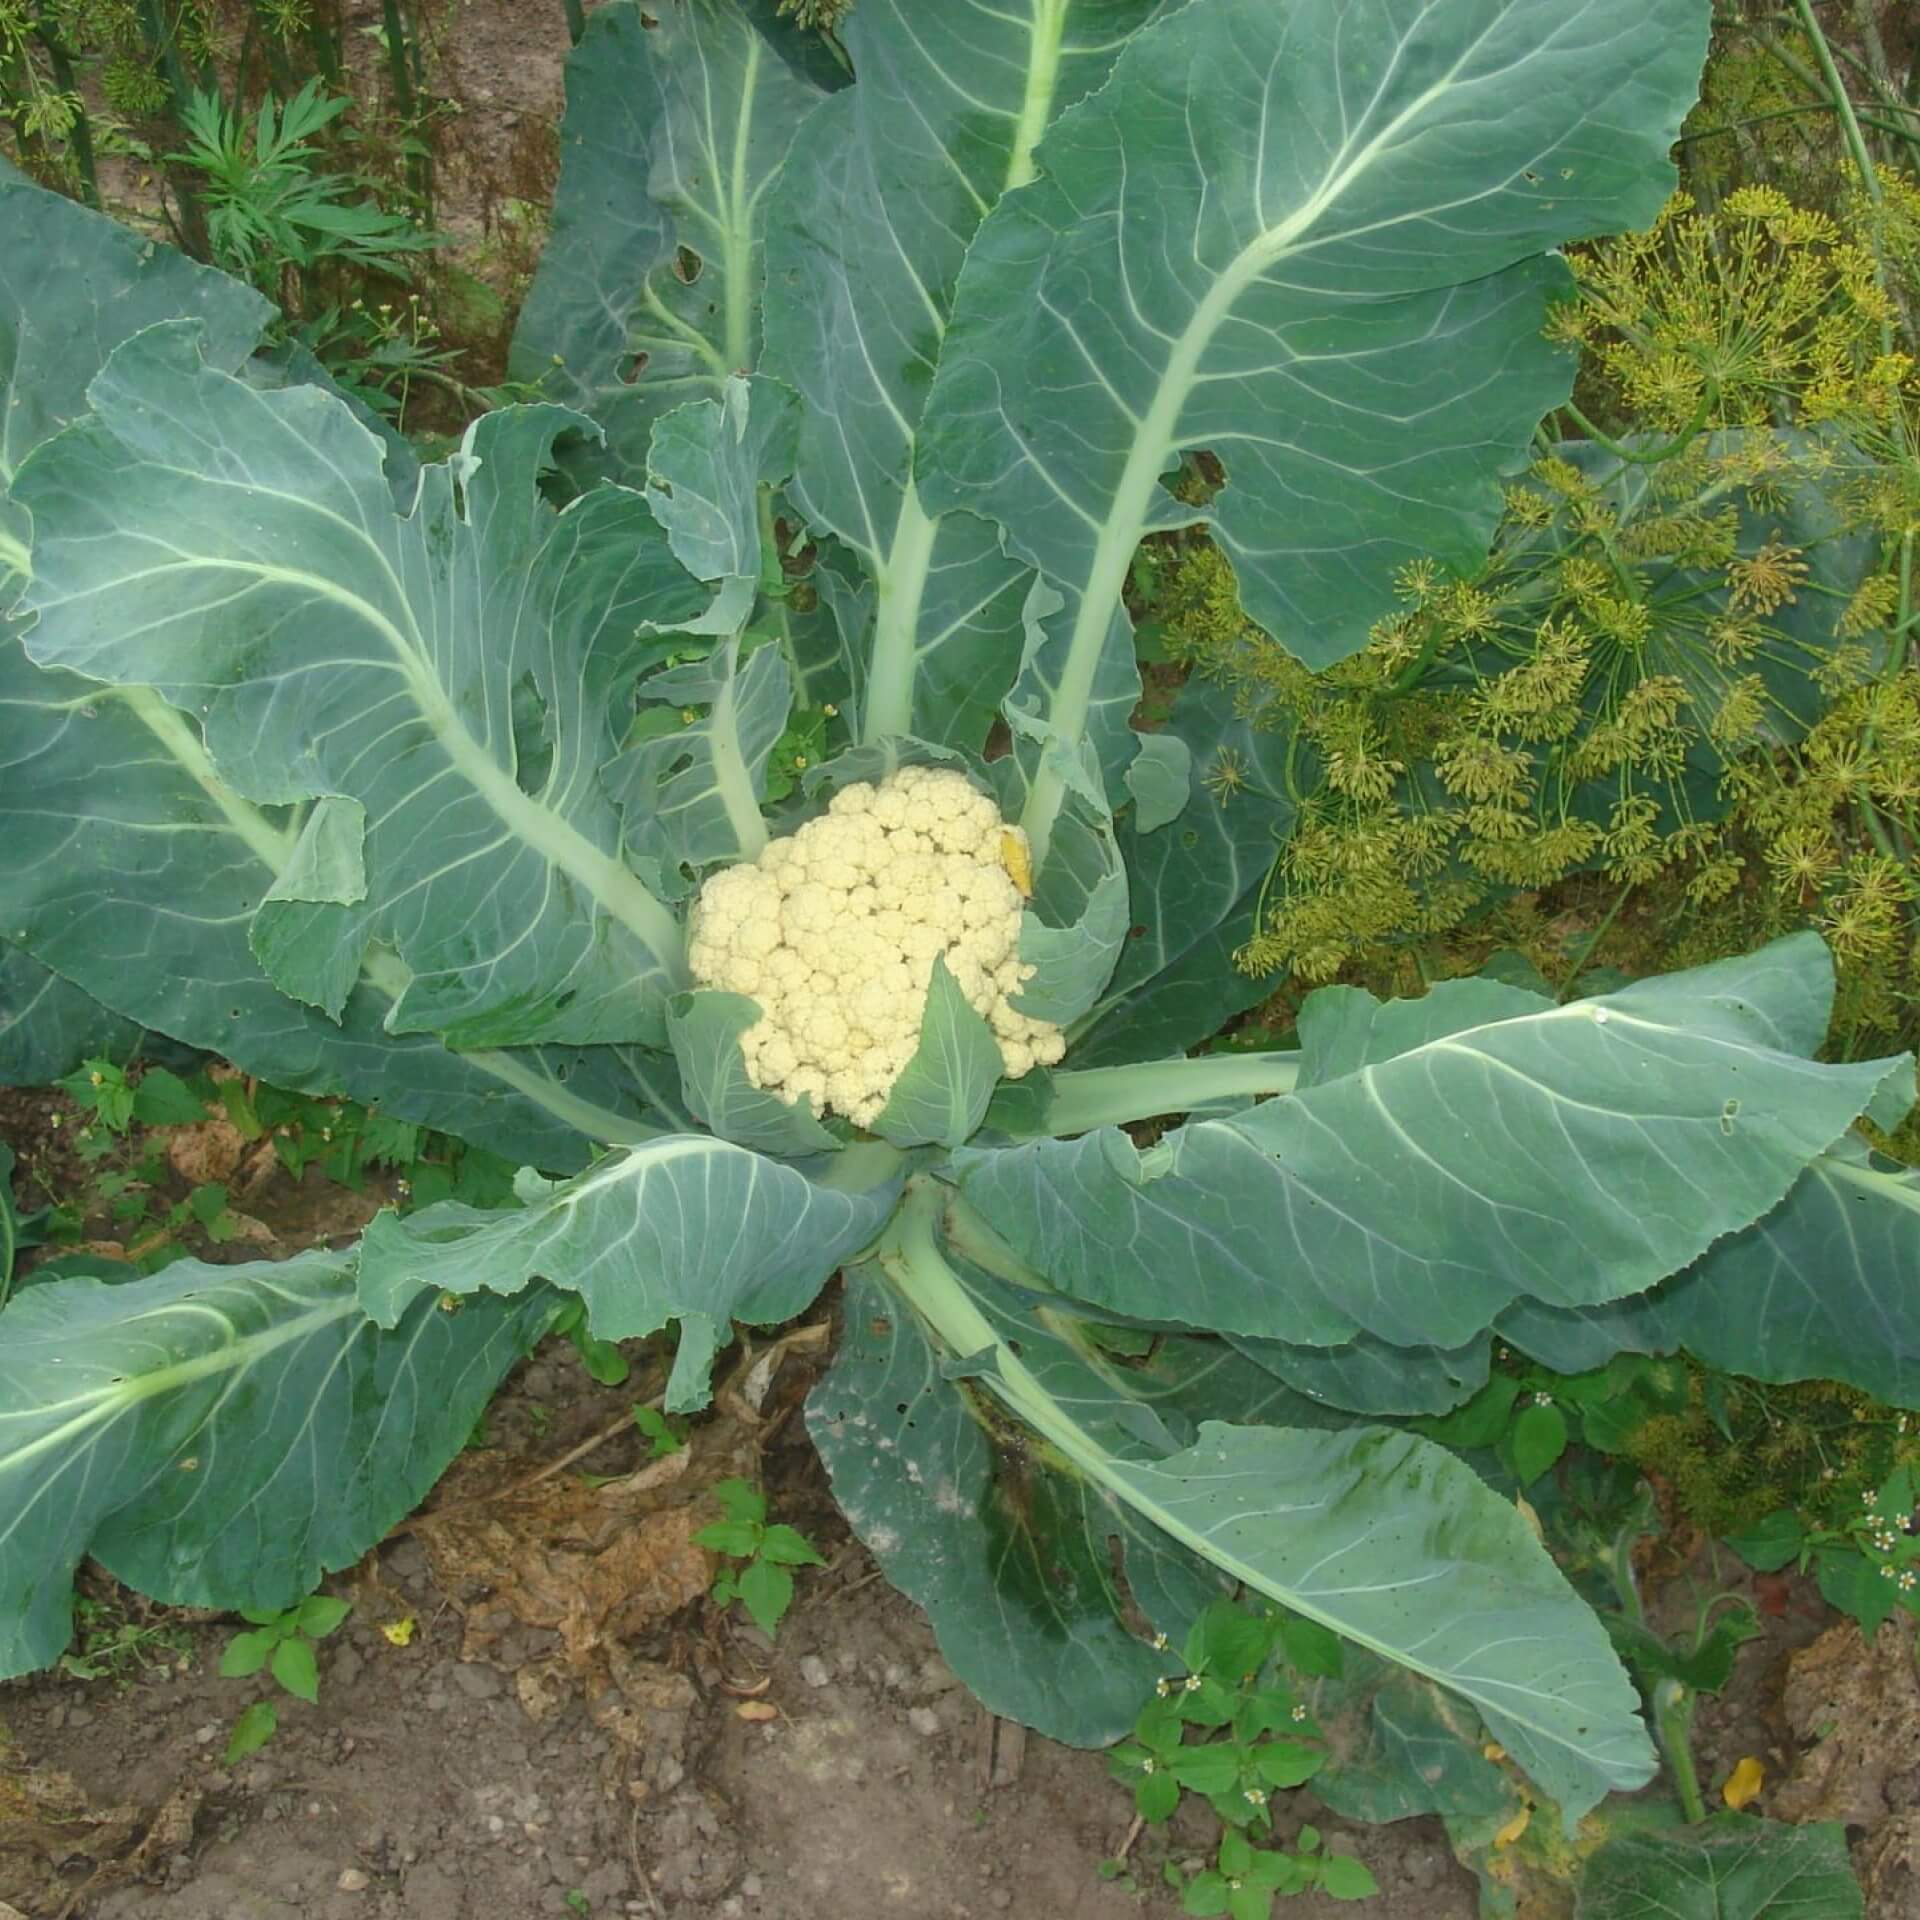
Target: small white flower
(1147, 1765)
(1300, 1713)
(1254, 1797)
(1159, 1643)
(1163, 1688)
(1886, 1573)
(1192, 1683)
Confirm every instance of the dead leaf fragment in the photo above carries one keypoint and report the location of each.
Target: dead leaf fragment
(206, 1153)
(1744, 1783)
(756, 1710)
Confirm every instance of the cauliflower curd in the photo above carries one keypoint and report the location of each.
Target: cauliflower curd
(835, 929)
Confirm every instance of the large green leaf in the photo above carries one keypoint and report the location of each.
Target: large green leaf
(690, 792)
(1732, 1867)
(1193, 885)
(1011, 1554)
(223, 1436)
(1385, 1538)
(1369, 1376)
(881, 195)
(135, 869)
(1008, 1555)
(1401, 1746)
(1825, 1287)
(47, 1025)
(678, 116)
(73, 286)
(1449, 1155)
(134, 864)
(686, 1227)
(1326, 1523)
(235, 554)
(1315, 239)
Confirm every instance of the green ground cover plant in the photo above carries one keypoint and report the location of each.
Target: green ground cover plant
(866, 380)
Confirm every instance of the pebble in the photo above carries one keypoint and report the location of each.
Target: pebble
(924, 1721)
(346, 1668)
(352, 1880)
(79, 1716)
(814, 1671)
(407, 1560)
(477, 1682)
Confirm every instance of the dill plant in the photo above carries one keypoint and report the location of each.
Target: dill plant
(1679, 697)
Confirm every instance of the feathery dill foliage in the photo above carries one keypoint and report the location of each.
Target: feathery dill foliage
(40, 38)
(1682, 674)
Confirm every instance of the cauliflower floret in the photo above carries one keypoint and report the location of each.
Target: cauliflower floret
(834, 931)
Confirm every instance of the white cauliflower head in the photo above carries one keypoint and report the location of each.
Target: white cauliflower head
(834, 931)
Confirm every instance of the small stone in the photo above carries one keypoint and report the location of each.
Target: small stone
(207, 1735)
(752, 1886)
(477, 1682)
(352, 1880)
(345, 1669)
(814, 1671)
(924, 1721)
(407, 1560)
(895, 1675)
(79, 1716)
(1000, 1897)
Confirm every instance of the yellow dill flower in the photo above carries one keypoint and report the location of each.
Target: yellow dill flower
(1766, 579)
(1875, 602)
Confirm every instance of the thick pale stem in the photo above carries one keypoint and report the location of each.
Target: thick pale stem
(271, 845)
(739, 241)
(1115, 1096)
(902, 577)
(902, 584)
(1043, 77)
(731, 774)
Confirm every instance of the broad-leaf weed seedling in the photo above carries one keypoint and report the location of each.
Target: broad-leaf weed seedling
(1868, 1566)
(761, 1553)
(1256, 1737)
(109, 1644)
(284, 1644)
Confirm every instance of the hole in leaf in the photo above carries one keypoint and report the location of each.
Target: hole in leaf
(532, 737)
(635, 368)
(687, 265)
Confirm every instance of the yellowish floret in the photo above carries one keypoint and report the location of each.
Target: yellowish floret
(834, 931)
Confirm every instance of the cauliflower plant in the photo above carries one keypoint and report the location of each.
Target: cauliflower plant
(834, 931)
